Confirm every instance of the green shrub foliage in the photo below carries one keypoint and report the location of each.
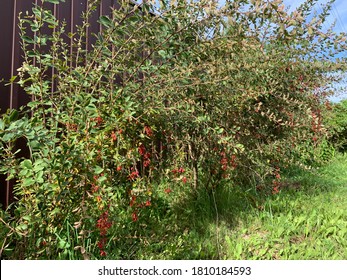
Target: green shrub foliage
(187, 93)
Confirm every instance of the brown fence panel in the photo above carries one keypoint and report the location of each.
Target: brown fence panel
(12, 96)
(6, 20)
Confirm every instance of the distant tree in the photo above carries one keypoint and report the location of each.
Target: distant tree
(336, 121)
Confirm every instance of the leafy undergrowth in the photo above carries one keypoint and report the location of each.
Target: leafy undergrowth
(307, 219)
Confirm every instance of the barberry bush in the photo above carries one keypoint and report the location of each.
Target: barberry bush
(184, 92)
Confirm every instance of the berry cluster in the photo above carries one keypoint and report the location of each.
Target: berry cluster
(103, 224)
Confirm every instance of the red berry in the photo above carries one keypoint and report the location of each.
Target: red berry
(134, 216)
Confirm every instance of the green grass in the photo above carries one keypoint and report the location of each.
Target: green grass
(306, 220)
(308, 223)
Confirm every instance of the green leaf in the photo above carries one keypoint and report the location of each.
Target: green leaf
(28, 182)
(26, 218)
(62, 244)
(310, 31)
(34, 144)
(55, 211)
(22, 227)
(98, 169)
(102, 179)
(105, 21)
(39, 165)
(14, 115)
(13, 78)
(28, 40)
(38, 242)
(55, 1)
(162, 53)
(37, 12)
(8, 137)
(27, 164)
(39, 177)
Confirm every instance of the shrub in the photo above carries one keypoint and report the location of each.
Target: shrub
(179, 94)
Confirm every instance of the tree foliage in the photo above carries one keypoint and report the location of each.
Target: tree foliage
(336, 121)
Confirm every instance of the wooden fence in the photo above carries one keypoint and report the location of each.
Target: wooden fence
(12, 96)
